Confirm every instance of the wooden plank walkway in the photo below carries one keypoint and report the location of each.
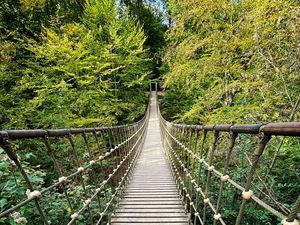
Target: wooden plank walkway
(151, 196)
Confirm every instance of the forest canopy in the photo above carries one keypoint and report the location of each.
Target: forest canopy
(232, 61)
(74, 63)
(86, 63)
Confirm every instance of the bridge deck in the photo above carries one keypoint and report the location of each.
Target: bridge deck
(151, 196)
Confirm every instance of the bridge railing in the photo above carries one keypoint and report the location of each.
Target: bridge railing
(223, 173)
(89, 166)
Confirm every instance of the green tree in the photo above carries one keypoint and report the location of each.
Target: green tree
(233, 60)
(151, 18)
(77, 74)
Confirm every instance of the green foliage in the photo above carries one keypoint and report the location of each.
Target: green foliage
(232, 61)
(150, 18)
(237, 61)
(63, 64)
(67, 64)
(77, 74)
(13, 186)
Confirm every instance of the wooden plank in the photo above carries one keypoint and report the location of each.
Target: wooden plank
(150, 190)
(151, 186)
(151, 195)
(152, 179)
(128, 189)
(149, 210)
(146, 206)
(156, 223)
(149, 220)
(153, 190)
(152, 215)
(151, 198)
(150, 203)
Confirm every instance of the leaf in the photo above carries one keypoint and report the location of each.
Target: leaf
(3, 202)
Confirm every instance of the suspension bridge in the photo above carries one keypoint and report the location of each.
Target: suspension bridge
(146, 173)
